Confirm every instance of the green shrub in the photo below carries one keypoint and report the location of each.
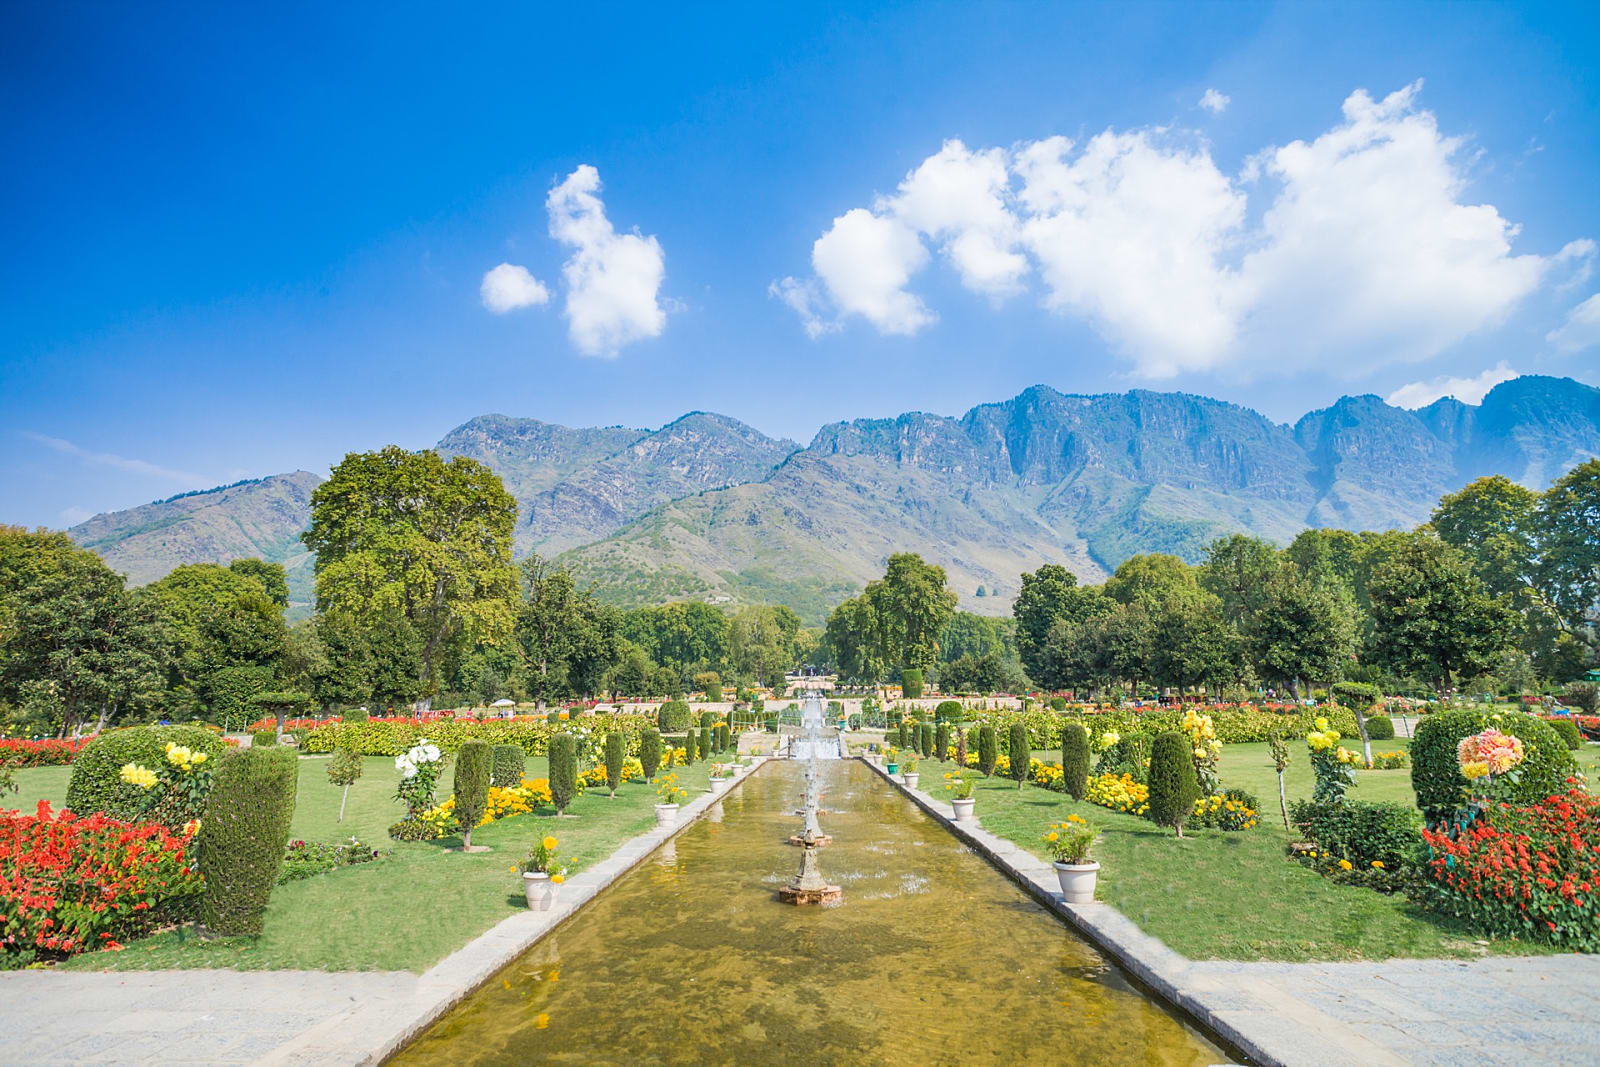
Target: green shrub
(1436, 776)
(1357, 694)
(948, 711)
(613, 762)
(724, 737)
(344, 770)
(1380, 728)
(552, 717)
(1585, 696)
(354, 715)
(1075, 759)
(1567, 730)
(987, 749)
(911, 683)
(563, 771)
(1058, 703)
(1173, 787)
(941, 742)
(650, 753)
(925, 734)
(1361, 832)
(705, 742)
(708, 718)
(672, 717)
(242, 837)
(510, 766)
(96, 783)
(1020, 755)
(263, 738)
(688, 747)
(474, 764)
(1127, 756)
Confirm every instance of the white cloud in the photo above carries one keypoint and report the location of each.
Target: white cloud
(1467, 390)
(509, 287)
(612, 279)
(1215, 102)
(1582, 328)
(1348, 251)
(806, 301)
(865, 261)
(74, 515)
(111, 459)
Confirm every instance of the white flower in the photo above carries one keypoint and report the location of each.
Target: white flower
(409, 771)
(403, 763)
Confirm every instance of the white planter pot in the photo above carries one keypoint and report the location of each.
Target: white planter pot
(1077, 881)
(910, 779)
(666, 814)
(539, 891)
(964, 809)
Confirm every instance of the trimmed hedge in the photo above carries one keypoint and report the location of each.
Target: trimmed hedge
(705, 742)
(392, 737)
(1075, 759)
(510, 766)
(1361, 832)
(672, 717)
(355, 715)
(613, 762)
(1436, 775)
(911, 683)
(724, 737)
(263, 738)
(96, 783)
(1568, 732)
(948, 711)
(1020, 756)
(1173, 786)
(1380, 728)
(474, 764)
(987, 745)
(563, 771)
(941, 741)
(689, 747)
(925, 734)
(243, 835)
(650, 753)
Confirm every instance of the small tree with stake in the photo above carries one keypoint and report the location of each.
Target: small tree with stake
(614, 760)
(1280, 759)
(1021, 755)
(344, 769)
(563, 771)
(281, 704)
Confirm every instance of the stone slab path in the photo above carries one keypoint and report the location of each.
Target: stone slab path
(160, 1018)
(1529, 1011)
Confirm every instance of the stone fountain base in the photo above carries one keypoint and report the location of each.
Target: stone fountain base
(791, 895)
(819, 841)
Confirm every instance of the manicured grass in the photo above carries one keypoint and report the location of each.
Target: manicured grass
(38, 783)
(1217, 895)
(409, 910)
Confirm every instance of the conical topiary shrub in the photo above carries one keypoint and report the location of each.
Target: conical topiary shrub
(243, 834)
(650, 752)
(563, 771)
(1021, 756)
(987, 749)
(614, 748)
(474, 762)
(1173, 786)
(941, 741)
(1075, 759)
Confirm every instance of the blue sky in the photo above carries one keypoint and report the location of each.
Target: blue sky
(243, 242)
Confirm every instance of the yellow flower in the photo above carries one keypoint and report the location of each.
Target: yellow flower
(549, 843)
(1377, 864)
(557, 879)
(541, 1021)
(134, 774)
(1345, 865)
(1052, 836)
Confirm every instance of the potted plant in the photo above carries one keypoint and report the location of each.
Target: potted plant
(908, 772)
(720, 773)
(542, 877)
(891, 760)
(670, 795)
(959, 785)
(1069, 843)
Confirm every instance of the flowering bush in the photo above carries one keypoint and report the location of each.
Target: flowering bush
(1071, 840)
(668, 789)
(303, 859)
(502, 803)
(1119, 793)
(391, 737)
(1370, 844)
(1487, 759)
(1331, 763)
(1527, 871)
(959, 784)
(176, 794)
(1388, 761)
(1049, 775)
(1233, 810)
(1202, 734)
(595, 777)
(70, 884)
(52, 752)
(419, 775)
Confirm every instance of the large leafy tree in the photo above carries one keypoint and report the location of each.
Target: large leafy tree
(913, 605)
(967, 634)
(684, 636)
(1433, 617)
(1049, 595)
(855, 642)
(228, 633)
(1236, 571)
(760, 645)
(271, 576)
(1304, 630)
(1194, 644)
(427, 537)
(569, 640)
(1567, 524)
(1155, 582)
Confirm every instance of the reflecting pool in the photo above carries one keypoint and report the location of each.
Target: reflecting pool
(932, 956)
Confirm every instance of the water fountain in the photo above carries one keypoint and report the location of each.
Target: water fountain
(808, 886)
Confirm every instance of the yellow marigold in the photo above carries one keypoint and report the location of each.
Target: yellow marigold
(549, 843)
(1345, 865)
(1377, 864)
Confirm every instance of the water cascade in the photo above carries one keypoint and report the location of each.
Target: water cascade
(808, 886)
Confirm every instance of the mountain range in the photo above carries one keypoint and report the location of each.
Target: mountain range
(709, 508)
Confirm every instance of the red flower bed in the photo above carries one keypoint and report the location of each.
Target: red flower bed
(70, 884)
(1530, 872)
(48, 753)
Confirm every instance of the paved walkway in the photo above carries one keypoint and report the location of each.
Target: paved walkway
(1526, 1011)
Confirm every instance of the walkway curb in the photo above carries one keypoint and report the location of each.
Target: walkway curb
(378, 1029)
(1267, 1025)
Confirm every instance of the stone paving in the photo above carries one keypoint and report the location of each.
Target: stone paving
(1528, 1011)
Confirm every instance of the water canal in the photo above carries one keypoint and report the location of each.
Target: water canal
(931, 957)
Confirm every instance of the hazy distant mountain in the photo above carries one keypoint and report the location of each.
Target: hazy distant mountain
(708, 507)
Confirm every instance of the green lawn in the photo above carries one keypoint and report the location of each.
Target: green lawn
(405, 912)
(1217, 895)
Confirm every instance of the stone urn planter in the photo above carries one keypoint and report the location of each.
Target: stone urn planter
(539, 891)
(911, 779)
(666, 814)
(1077, 880)
(964, 809)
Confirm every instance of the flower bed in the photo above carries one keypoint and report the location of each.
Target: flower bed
(1119, 793)
(391, 737)
(51, 752)
(1526, 871)
(502, 803)
(71, 885)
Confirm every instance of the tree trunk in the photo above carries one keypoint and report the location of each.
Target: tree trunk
(1283, 802)
(342, 799)
(466, 840)
(1361, 727)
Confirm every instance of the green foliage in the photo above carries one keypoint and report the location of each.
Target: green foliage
(563, 770)
(1019, 754)
(569, 640)
(708, 718)
(724, 737)
(1380, 728)
(987, 745)
(704, 746)
(911, 683)
(242, 837)
(391, 738)
(1058, 703)
(941, 741)
(96, 783)
(613, 748)
(345, 768)
(474, 765)
(650, 753)
(1173, 787)
(1127, 756)
(1360, 831)
(672, 717)
(948, 711)
(1585, 696)
(689, 747)
(263, 738)
(1075, 759)
(1359, 695)
(710, 683)
(1436, 774)
(1568, 732)
(509, 767)
(354, 715)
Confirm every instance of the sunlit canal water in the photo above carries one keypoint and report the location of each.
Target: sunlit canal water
(933, 957)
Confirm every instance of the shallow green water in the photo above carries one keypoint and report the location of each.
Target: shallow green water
(932, 957)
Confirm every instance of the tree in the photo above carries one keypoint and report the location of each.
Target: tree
(1302, 631)
(913, 605)
(344, 770)
(1155, 582)
(1194, 645)
(409, 532)
(855, 642)
(1236, 571)
(219, 620)
(280, 704)
(545, 626)
(684, 636)
(1491, 521)
(271, 576)
(1049, 595)
(760, 645)
(1433, 617)
(563, 754)
(1567, 524)
(1173, 785)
